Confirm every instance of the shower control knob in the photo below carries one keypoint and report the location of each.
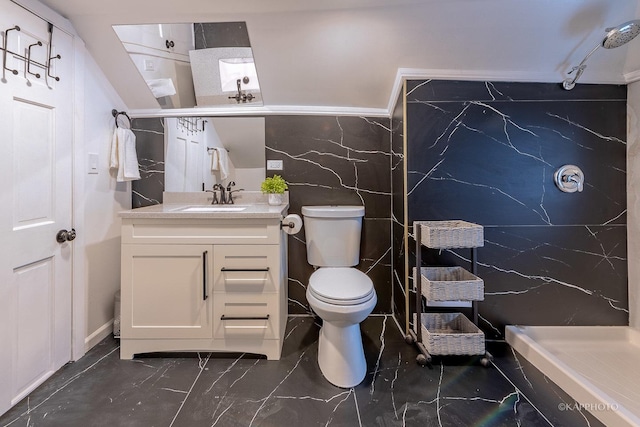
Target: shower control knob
(569, 179)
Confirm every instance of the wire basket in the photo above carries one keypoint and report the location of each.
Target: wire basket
(450, 284)
(450, 234)
(451, 334)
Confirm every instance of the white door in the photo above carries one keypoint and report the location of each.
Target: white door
(36, 118)
(184, 150)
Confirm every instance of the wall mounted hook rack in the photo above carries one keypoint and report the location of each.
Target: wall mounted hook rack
(27, 56)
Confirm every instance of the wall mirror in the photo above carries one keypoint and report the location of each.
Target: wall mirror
(194, 64)
(202, 151)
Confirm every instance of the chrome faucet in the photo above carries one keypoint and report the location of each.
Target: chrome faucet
(223, 196)
(226, 194)
(214, 191)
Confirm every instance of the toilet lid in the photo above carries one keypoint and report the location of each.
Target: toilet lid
(342, 286)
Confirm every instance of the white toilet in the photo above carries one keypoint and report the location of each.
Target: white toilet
(341, 295)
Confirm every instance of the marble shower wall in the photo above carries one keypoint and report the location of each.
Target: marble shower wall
(486, 152)
(332, 160)
(328, 160)
(398, 211)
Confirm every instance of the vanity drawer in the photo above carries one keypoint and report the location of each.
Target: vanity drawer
(246, 268)
(248, 315)
(203, 231)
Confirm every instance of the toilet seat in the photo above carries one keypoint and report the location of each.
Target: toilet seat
(341, 286)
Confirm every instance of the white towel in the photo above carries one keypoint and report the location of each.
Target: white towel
(220, 162)
(161, 87)
(123, 155)
(215, 163)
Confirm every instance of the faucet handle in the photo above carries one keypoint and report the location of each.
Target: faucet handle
(230, 195)
(577, 179)
(215, 195)
(569, 179)
(231, 184)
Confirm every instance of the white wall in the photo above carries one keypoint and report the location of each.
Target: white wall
(103, 199)
(240, 135)
(345, 53)
(633, 202)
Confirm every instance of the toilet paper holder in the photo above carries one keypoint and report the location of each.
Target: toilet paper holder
(291, 224)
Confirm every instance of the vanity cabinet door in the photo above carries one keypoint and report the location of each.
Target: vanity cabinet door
(166, 291)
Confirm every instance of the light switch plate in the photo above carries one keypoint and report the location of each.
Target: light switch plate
(92, 163)
(274, 165)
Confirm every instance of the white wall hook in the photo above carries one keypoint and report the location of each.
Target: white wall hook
(569, 179)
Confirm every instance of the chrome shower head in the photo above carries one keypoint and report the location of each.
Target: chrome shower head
(616, 37)
(622, 34)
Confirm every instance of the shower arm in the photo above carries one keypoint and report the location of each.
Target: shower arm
(569, 83)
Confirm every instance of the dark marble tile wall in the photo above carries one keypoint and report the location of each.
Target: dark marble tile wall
(220, 34)
(327, 160)
(150, 149)
(486, 152)
(332, 160)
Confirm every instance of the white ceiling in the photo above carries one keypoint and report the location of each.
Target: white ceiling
(348, 55)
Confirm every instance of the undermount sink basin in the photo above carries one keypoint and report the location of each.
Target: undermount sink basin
(214, 208)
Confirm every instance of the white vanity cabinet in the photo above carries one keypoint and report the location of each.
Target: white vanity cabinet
(203, 284)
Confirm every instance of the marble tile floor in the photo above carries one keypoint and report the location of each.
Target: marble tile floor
(204, 389)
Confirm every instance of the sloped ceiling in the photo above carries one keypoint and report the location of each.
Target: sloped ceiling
(349, 55)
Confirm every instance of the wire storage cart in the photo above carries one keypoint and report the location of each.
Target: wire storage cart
(441, 334)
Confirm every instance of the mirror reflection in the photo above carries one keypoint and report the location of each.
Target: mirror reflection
(203, 151)
(194, 65)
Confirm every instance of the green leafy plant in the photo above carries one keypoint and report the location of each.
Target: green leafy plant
(274, 185)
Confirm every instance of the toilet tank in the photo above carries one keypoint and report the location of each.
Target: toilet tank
(333, 235)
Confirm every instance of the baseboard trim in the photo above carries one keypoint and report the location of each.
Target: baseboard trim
(98, 335)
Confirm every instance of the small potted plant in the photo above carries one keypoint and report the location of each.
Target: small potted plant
(274, 187)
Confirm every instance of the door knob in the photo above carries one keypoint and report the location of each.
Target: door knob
(64, 235)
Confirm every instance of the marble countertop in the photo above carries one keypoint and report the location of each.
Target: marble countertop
(176, 204)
